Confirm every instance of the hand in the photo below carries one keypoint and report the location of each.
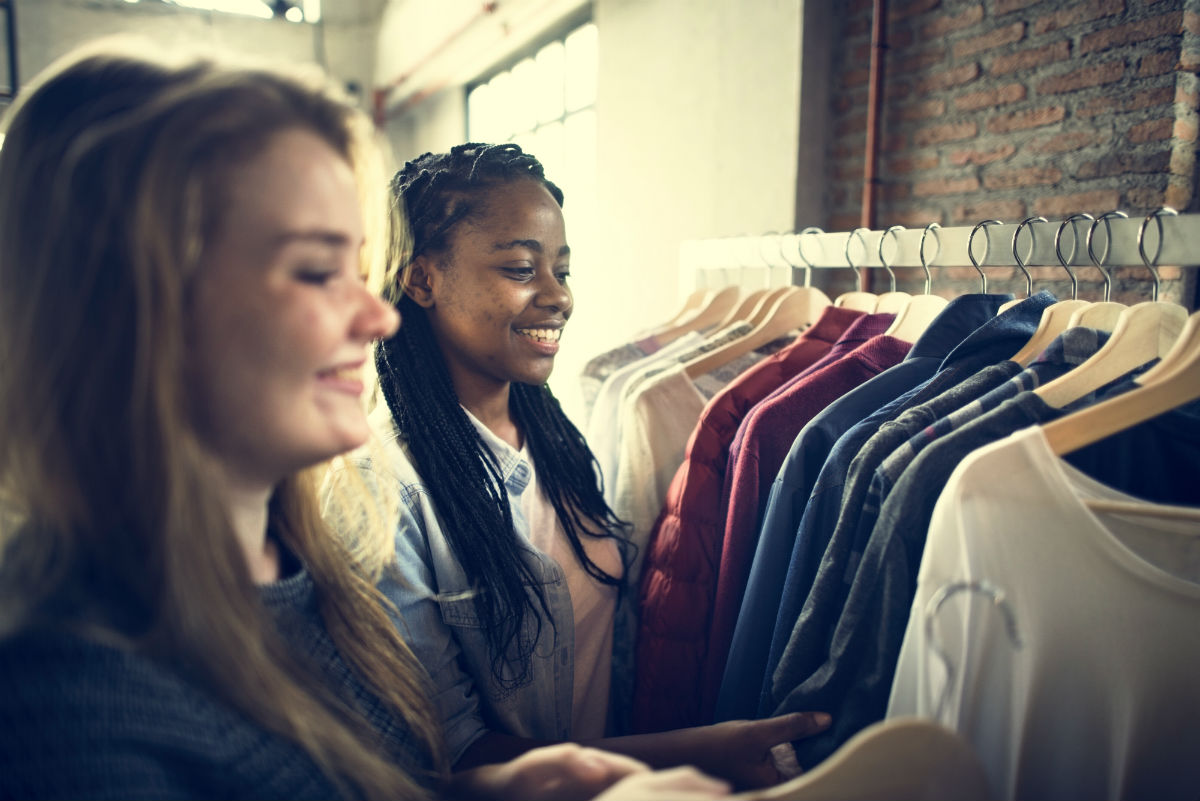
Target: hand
(740, 750)
(674, 784)
(563, 772)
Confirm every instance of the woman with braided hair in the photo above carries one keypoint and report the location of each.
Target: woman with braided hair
(507, 564)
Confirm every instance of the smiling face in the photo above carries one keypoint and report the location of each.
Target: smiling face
(498, 300)
(280, 318)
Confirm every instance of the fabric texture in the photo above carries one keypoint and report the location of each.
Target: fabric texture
(602, 365)
(686, 535)
(115, 724)
(746, 665)
(843, 662)
(757, 453)
(996, 339)
(1074, 657)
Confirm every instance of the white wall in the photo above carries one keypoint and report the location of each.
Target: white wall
(47, 29)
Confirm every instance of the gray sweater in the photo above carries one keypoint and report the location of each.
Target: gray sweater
(79, 719)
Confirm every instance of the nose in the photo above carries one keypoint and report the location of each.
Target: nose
(376, 319)
(553, 294)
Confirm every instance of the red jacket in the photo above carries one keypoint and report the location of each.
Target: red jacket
(679, 576)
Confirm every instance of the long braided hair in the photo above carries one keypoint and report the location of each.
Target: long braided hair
(432, 195)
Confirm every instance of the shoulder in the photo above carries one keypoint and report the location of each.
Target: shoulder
(82, 719)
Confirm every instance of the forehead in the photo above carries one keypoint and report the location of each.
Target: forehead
(519, 204)
(296, 181)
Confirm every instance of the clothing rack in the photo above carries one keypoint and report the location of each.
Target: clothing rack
(1107, 241)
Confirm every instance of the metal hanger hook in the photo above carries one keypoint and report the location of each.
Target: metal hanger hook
(932, 227)
(1157, 216)
(1066, 262)
(987, 245)
(811, 230)
(857, 233)
(891, 273)
(1017, 257)
(1099, 262)
(933, 606)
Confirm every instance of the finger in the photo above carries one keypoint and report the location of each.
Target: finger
(793, 726)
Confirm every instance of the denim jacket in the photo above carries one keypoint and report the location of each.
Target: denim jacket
(438, 618)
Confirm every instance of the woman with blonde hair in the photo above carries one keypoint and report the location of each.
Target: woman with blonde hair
(184, 323)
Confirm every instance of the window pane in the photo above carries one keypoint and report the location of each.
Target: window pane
(580, 67)
(549, 69)
(548, 147)
(499, 123)
(479, 113)
(522, 95)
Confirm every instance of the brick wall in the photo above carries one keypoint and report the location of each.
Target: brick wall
(1008, 109)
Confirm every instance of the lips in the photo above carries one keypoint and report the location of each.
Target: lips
(347, 372)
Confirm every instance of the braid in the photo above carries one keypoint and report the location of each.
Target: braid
(435, 193)
(462, 476)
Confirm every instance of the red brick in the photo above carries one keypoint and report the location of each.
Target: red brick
(1145, 197)
(913, 163)
(944, 79)
(1131, 32)
(848, 126)
(1023, 120)
(1182, 161)
(1106, 104)
(1065, 142)
(1184, 130)
(1191, 22)
(1034, 57)
(1095, 202)
(999, 37)
(1083, 12)
(922, 111)
(1015, 179)
(1178, 196)
(1008, 6)
(949, 132)
(909, 62)
(1187, 94)
(851, 171)
(894, 143)
(946, 186)
(943, 24)
(990, 98)
(915, 218)
(1157, 64)
(857, 27)
(1116, 164)
(1189, 59)
(961, 158)
(1091, 75)
(1151, 130)
(843, 149)
(843, 222)
(896, 191)
(899, 11)
(851, 78)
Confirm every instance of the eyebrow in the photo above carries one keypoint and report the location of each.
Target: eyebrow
(529, 244)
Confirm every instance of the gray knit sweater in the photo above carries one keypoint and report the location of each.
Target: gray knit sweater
(83, 720)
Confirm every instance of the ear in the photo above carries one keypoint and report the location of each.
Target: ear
(421, 277)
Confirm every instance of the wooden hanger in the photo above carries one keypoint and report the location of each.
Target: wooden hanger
(1143, 332)
(746, 307)
(721, 302)
(692, 304)
(1056, 318)
(1101, 315)
(1170, 384)
(901, 759)
(798, 308)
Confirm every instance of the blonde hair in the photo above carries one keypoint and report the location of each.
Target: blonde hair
(111, 182)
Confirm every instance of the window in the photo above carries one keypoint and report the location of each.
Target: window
(291, 10)
(546, 103)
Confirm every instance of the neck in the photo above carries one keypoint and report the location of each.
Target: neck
(493, 410)
(248, 515)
